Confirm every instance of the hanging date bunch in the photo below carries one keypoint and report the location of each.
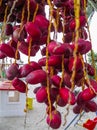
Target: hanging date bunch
(30, 28)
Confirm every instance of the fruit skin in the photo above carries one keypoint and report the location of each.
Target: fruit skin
(91, 106)
(54, 60)
(36, 76)
(7, 50)
(35, 65)
(33, 30)
(88, 93)
(55, 121)
(41, 22)
(55, 48)
(2, 55)
(19, 85)
(84, 46)
(82, 21)
(23, 47)
(77, 109)
(12, 71)
(78, 64)
(90, 69)
(41, 94)
(65, 93)
(25, 70)
(55, 79)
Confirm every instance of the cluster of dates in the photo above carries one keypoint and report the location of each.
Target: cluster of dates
(35, 34)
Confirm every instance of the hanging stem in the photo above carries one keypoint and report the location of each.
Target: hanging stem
(47, 57)
(21, 26)
(0, 2)
(86, 76)
(28, 9)
(77, 23)
(37, 6)
(13, 6)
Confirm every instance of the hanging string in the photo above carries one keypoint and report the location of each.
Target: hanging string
(63, 69)
(47, 57)
(13, 6)
(0, 2)
(37, 7)
(86, 76)
(21, 27)
(28, 10)
(77, 23)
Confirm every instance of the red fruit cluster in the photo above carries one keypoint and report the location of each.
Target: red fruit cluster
(28, 31)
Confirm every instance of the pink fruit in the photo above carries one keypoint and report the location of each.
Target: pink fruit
(60, 102)
(77, 109)
(68, 37)
(41, 94)
(78, 76)
(33, 30)
(2, 55)
(19, 34)
(25, 70)
(83, 46)
(88, 93)
(32, 42)
(78, 64)
(66, 95)
(41, 22)
(55, 79)
(87, 46)
(36, 76)
(42, 61)
(94, 84)
(35, 65)
(48, 109)
(54, 92)
(12, 43)
(53, 60)
(23, 47)
(52, 99)
(67, 78)
(7, 50)
(91, 105)
(19, 85)
(55, 121)
(90, 69)
(59, 49)
(12, 71)
(82, 21)
(51, 46)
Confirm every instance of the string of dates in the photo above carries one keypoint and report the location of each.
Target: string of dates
(63, 67)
